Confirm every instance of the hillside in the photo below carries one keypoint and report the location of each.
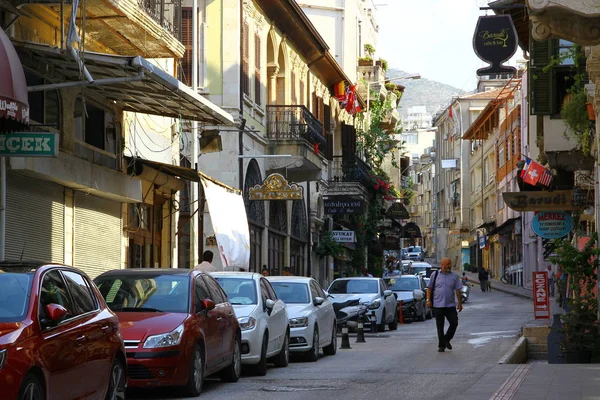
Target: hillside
(433, 95)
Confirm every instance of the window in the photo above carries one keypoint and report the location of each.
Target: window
(257, 62)
(201, 291)
(564, 50)
(216, 293)
(82, 296)
(302, 96)
(245, 59)
(276, 245)
(44, 106)
(500, 155)
(185, 70)
(54, 291)
(256, 248)
(508, 149)
(293, 91)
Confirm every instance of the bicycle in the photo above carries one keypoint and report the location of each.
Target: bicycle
(505, 278)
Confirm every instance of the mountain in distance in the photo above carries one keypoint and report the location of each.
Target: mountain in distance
(434, 95)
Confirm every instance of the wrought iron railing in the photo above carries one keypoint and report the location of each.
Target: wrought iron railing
(295, 122)
(350, 169)
(166, 12)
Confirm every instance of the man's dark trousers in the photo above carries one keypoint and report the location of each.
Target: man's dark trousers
(441, 314)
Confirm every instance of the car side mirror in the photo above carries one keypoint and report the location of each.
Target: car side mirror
(56, 312)
(207, 305)
(318, 301)
(269, 304)
(418, 294)
(387, 292)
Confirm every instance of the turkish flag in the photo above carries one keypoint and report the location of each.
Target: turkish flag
(533, 173)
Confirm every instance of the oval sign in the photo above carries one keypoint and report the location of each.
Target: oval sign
(552, 224)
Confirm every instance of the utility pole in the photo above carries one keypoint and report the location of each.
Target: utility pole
(194, 186)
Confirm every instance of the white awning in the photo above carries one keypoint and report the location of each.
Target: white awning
(132, 82)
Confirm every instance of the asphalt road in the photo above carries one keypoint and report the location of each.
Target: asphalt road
(403, 364)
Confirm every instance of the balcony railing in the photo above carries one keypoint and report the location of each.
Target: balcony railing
(293, 123)
(166, 13)
(350, 169)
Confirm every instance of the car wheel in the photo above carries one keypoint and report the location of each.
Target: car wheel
(381, 326)
(118, 381)
(31, 389)
(394, 324)
(283, 358)
(260, 369)
(331, 348)
(234, 370)
(313, 354)
(196, 378)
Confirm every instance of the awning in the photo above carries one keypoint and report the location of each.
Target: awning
(14, 103)
(133, 83)
(487, 225)
(506, 224)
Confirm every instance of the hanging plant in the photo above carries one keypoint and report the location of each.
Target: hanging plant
(329, 247)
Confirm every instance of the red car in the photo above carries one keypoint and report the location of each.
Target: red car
(177, 324)
(56, 329)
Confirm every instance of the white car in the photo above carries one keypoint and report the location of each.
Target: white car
(262, 316)
(312, 317)
(372, 292)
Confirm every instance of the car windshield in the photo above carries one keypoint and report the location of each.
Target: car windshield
(414, 249)
(241, 291)
(292, 293)
(145, 292)
(351, 286)
(418, 268)
(404, 284)
(15, 290)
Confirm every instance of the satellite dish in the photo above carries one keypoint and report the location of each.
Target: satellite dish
(416, 126)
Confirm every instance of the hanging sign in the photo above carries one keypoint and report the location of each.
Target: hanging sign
(29, 144)
(541, 301)
(482, 241)
(342, 205)
(343, 236)
(552, 224)
(557, 200)
(275, 187)
(495, 42)
(397, 211)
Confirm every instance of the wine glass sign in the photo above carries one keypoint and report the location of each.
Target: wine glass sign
(495, 42)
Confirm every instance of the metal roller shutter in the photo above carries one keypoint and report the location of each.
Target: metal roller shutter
(97, 234)
(35, 215)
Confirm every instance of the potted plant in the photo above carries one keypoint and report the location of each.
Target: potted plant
(329, 247)
(368, 59)
(580, 321)
(382, 63)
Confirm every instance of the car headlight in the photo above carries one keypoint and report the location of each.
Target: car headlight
(247, 323)
(374, 304)
(299, 322)
(2, 358)
(165, 339)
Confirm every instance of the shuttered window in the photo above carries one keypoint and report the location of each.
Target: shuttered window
(245, 60)
(327, 132)
(301, 92)
(257, 69)
(185, 71)
(293, 79)
(541, 101)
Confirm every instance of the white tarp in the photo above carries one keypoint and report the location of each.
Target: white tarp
(229, 221)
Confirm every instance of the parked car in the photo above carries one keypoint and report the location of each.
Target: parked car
(410, 290)
(421, 268)
(263, 318)
(177, 324)
(372, 292)
(415, 253)
(311, 315)
(56, 329)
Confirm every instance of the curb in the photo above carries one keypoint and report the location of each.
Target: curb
(503, 290)
(517, 353)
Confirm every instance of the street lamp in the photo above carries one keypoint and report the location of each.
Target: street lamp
(397, 78)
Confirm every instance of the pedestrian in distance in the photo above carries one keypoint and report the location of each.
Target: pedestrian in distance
(265, 272)
(365, 273)
(443, 296)
(464, 280)
(483, 275)
(287, 271)
(551, 280)
(206, 264)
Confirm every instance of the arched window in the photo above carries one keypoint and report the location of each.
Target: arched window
(299, 238)
(255, 211)
(277, 234)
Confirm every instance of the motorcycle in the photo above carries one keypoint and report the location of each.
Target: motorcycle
(349, 313)
(464, 292)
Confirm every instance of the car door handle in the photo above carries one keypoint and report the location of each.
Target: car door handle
(79, 340)
(105, 329)
(220, 319)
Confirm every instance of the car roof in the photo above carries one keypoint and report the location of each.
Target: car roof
(402, 277)
(236, 274)
(356, 277)
(148, 271)
(26, 263)
(421, 264)
(302, 279)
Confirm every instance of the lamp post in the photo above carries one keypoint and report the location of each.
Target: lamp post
(397, 78)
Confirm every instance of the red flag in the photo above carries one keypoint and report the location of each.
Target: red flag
(533, 173)
(316, 148)
(450, 112)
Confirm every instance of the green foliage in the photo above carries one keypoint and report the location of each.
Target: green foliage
(580, 322)
(369, 49)
(329, 247)
(384, 64)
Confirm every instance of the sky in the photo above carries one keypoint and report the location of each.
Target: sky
(433, 38)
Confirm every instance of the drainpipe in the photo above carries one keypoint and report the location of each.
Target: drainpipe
(242, 120)
(73, 37)
(309, 258)
(195, 230)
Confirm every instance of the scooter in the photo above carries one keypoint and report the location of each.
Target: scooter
(464, 292)
(349, 313)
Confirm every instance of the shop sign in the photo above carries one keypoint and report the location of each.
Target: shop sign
(558, 200)
(343, 236)
(552, 224)
(495, 42)
(482, 241)
(541, 301)
(397, 211)
(29, 144)
(342, 205)
(275, 187)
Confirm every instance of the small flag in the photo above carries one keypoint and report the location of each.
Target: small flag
(546, 177)
(533, 172)
(340, 91)
(450, 112)
(525, 167)
(316, 148)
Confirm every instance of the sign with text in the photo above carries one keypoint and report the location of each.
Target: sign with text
(495, 42)
(557, 200)
(29, 144)
(343, 236)
(541, 301)
(451, 163)
(552, 224)
(397, 211)
(342, 205)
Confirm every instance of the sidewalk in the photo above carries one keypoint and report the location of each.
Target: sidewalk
(537, 380)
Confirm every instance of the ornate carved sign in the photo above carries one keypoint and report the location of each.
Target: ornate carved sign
(558, 200)
(276, 187)
(495, 41)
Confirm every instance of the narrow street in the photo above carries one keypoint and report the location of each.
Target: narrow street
(403, 364)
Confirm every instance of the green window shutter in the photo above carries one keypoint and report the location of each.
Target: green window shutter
(541, 84)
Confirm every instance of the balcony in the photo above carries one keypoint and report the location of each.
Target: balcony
(150, 28)
(371, 76)
(294, 130)
(349, 175)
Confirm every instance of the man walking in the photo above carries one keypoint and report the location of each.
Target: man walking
(443, 295)
(205, 265)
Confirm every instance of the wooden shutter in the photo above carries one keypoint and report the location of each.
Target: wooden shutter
(541, 84)
(293, 79)
(301, 92)
(185, 73)
(315, 104)
(245, 60)
(327, 132)
(257, 61)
